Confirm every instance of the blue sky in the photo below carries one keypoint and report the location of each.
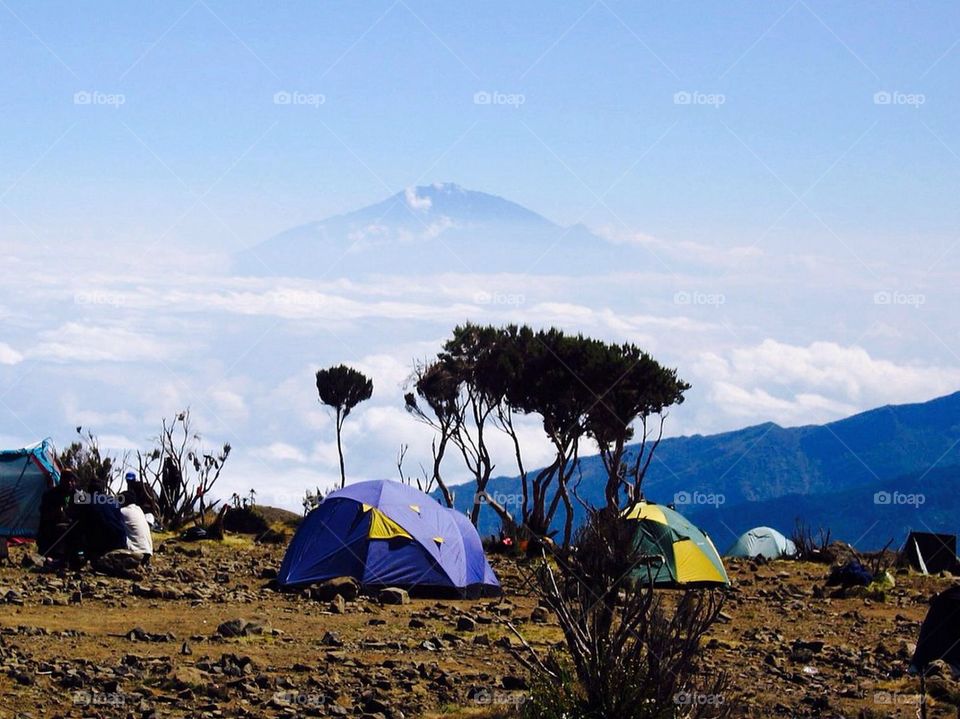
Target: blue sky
(398, 79)
(785, 175)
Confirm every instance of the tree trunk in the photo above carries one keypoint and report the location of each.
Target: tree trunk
(343, 475)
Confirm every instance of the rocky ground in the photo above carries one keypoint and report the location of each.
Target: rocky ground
(201, 635)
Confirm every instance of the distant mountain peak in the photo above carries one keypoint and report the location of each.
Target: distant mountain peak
(432, 228)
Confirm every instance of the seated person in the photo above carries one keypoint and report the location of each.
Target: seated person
(57, 536)
(140, 493)
(139, 538)
(99, 520)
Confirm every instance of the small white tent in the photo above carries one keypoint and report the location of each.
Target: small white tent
(762, 541)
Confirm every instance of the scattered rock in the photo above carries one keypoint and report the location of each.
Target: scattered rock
(346, 587)
(540, 615)
(394, 595)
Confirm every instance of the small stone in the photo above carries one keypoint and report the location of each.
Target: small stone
(233, 628)
(513, 683)
(346, 587)
(329, 639)
(540, 615)
(394, 595)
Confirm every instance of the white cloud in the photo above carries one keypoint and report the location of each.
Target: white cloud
(414, 202)
(8, 355)
(818, 382)
(77, 342)
(280, 451)
(712, 255)
(229, 403)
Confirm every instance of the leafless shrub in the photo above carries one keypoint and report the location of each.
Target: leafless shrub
(633, 652)
(181, 472)
(810, 547)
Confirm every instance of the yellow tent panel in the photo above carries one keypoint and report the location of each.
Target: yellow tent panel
(693, 565)
(382, 527)
(642, 510)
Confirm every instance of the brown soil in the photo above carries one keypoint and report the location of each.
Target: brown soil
(63, 658)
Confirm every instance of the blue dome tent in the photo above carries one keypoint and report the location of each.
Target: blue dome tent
(25, 474)
(387, 534)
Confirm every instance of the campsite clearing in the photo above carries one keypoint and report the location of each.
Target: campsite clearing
(169, 643)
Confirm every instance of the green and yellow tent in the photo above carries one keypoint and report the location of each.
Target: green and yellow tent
(689, 559)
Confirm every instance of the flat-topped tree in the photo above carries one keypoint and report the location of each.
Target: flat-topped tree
(343, 388)
(633, 391)
(579, 387)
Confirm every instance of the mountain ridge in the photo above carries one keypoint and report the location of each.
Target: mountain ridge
(431, 228)
(879, 447)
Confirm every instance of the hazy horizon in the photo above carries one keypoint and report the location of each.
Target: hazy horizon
(759, 195)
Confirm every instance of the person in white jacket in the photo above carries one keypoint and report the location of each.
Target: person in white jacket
(139, 538)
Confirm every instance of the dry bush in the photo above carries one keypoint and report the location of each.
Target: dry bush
(811, 547)
(631, 651)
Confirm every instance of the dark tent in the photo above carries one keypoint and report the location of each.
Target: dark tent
(931, 553)
(940, 632)
(25, 474)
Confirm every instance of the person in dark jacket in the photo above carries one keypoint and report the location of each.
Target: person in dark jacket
(56, 535)
(100, 521)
